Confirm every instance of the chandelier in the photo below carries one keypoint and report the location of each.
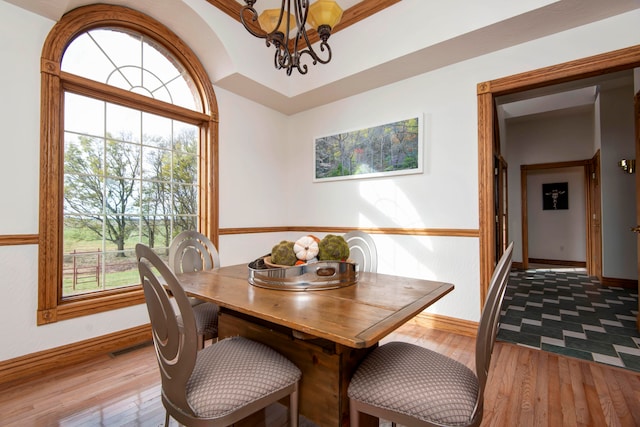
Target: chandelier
(277, 24)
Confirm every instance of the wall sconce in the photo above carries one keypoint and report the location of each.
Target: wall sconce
(629, 166)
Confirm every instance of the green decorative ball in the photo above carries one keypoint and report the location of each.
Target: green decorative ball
(333, 248)
(283, 253)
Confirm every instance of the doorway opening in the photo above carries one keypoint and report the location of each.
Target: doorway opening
(489, 141)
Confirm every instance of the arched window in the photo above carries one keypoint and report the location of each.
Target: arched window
(128, 155)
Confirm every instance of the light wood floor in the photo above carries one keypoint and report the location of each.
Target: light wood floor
(526, 388)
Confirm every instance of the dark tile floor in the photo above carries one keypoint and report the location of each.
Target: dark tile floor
(568, 312)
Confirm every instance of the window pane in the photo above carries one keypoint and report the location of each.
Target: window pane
(83, 174)
(82, 272)
(82, 233)
(156, 231)
(185, 168)
(124, 124)
(186, 137)
(120, 269)
(133, 62)
(182, 223)
(156, 130)
(83, 115)
(122, 160)
(122, 197)
(157, 164)
(83, 58)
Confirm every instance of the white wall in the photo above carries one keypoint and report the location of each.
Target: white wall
(266, 169)
(557, 234)
(619, 244)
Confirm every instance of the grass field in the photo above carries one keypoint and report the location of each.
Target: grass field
(97, 269)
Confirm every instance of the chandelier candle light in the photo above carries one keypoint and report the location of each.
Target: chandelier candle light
(277, 24)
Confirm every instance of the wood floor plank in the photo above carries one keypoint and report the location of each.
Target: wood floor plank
(525, 387)
(626, 389)
(615, 408)
(498, 392)
(540, 399)
(598, 408)
(578, 387)
(553, 394)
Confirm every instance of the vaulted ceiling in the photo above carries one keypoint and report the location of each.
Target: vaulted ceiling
(379, 42)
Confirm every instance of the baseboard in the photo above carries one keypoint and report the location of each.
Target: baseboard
(619, 283)
(46, 360)
(566, 263)
(447, 324)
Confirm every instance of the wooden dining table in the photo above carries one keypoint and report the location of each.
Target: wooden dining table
(326, 333)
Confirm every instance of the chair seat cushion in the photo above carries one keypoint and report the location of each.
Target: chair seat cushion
(417, 382)
(235, 372)
(206, 315)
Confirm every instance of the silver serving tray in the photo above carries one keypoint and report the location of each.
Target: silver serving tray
(314, 276)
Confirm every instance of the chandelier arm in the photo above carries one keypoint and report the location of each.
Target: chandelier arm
(312, 53)
(254, 18)
(301, 11)
(283, 58)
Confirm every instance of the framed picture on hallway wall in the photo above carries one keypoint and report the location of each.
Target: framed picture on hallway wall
(555, 196)
(393, 148)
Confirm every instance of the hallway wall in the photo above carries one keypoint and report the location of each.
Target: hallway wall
(557, 234)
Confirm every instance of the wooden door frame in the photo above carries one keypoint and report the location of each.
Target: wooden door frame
(618, 60)
(503, 204)
(636, 118)
(594, 220)
(524, 172)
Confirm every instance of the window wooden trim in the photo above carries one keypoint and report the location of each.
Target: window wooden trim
(51, 307)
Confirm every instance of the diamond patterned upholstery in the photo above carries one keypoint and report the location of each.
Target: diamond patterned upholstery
(414, 386)
(416, 382)
(206, 319)
(244, 372)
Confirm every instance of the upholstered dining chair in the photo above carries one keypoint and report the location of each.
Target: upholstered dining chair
(362, 249)
(413, 386)
(192, 251)
(218, 385)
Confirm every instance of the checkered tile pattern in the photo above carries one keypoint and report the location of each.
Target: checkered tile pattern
(570, 313)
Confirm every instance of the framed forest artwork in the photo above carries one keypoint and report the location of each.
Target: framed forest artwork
(393, 148)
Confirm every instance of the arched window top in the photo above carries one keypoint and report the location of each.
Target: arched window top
(131, 61)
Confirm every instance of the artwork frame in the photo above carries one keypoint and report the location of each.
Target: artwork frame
(555, 196)
(391, 148)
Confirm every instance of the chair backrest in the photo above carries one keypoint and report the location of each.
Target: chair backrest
(489, 320)
(175, 338)
(362, 249)
(192, 251)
